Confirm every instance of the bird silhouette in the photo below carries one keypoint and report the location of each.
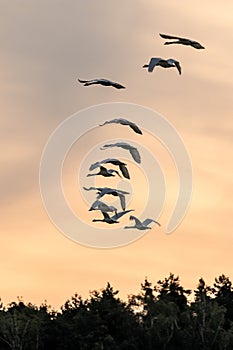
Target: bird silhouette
(133, 150)
(141, 225)
(124, 122)
(113, 219)
(99, 205)
(182, 41)
(104, 82)
(102, 191)
(113, 161)
(105, 172)
(158, 61)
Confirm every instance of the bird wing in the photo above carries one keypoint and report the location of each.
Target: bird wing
(122, 200)
(124, 171)
(165, 36)
(95, 165)
(148, 221)
(135, 154)
(113, 161)
(135, 128)
(178, 66)
(104, 207)
(137, 221)
(103, 170)
(108, 160)
(117, 85)
(111, 171)
(94, 205)
(106, 216)
(123, 122)
(153, 62)
(120, 191)
(100, 194)
(133, 150)
(118, 215)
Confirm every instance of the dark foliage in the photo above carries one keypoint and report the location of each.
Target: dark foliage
(160, 317)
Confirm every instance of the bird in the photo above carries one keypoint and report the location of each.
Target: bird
(124, 122)
(114, 218)
(104, 82)
(141, 225)
(133, 150)
(101, 191)
(105, 172)
(158, 61)
(113, 161)
(182, 41)
(99, 205)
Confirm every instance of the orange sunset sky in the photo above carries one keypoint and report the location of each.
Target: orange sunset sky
(45, 46)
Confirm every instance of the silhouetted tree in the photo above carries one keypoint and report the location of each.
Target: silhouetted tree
(157, 318)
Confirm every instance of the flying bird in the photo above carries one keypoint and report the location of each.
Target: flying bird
(141, 225)
(99, 205)
(182, 41)
(102, 191)
(113, 161)
(114, 218)
(104, 82)
(124, 122)
(133, 150)
(105, 172)
(158, 61)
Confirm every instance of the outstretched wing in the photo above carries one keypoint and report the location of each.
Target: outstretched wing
(165, 36)
(137, 221)
(122, 200)
(153, 62)
(123, 122)
(148, 221)
(106, 216)
(178, 66)
(135, 154)
(108, 160)
(94, 205)
(117, 85)
(111, 171)
(124, 171)
(133, 150)
(119, 215)
(135, 128)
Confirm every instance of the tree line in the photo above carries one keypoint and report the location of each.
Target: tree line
(164, 316)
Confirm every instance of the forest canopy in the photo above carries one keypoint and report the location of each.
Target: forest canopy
(161, 316)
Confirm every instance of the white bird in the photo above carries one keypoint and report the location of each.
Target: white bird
(114, 218)
(158, 61)
(105, 172)
(101, 191)
(141, 225)
(104, 82)
(133, 150)
(99, 205)
(182, 41)
(124, 122)
(113, 161)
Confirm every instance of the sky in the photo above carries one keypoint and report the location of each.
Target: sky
(45, 47)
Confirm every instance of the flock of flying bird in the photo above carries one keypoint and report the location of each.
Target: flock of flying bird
(103, 171)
